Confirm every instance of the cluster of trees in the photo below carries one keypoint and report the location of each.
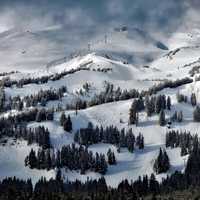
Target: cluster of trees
(195, 70)
(136, 106)
(111, 135)
(193, 164)
(155, 104)
(41, 98)
(110, 95)
(78, 104)
(59, 76)
(181, 139)
(8, 73)
(71, 157)
(39, 135)
(169, 84)
(55, 189)
(26, 116)
(66, 122)
(7, 82)
(111, 157)
(162, 163)
(177, 116)
(183, 98)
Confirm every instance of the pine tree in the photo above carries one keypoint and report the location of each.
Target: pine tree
(111, 157)
(130, 141)
(168, 103)
(133, 113)
(162, 120)
(193, 99)
(183, 150)
(103, 165)
(58, 175)
(38, 116)
(140, 104)
(180, 116)
(162, 163)
(140, 141)
(31, 160)
(149, 105)
(68, 124)
(48, 160)
(62, 119)
(158, 104)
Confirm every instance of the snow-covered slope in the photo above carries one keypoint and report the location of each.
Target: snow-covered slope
(130, 59)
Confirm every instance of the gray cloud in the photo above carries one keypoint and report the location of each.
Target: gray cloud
(157, 13)
(74, 23)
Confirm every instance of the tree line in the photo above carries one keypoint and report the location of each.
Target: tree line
(66, 122)
(182, 139)
(108, 95)
(162, 162)
(72, 158)
(35, 114)
(146, 187)
(41, 98)
(7, 82)
(38, 135)
(152, 105)
(111, 135)
(111, 95)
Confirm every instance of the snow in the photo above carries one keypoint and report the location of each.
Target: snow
(131, 46)
(58, 136)
(12, 162)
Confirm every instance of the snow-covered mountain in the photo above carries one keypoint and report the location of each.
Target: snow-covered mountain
(125, 57)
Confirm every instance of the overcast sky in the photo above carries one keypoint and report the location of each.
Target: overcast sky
(74, 23)
(148, 14)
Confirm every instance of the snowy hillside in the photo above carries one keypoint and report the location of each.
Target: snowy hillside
(127, 62)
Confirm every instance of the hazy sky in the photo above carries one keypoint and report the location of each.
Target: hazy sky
(74, 23)
(165, 14)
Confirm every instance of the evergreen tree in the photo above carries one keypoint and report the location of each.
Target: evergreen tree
(103, 165)
(111, 157)
(193, 99)
(168, 103)
(140, 141)
(162, 163)
(162, 120)
(133, 117)
(31, 160)
(158, 104)
(68, 124)
(62, 119)
(130, 141)
(180, 116)
(196, 114)
(59, 175)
